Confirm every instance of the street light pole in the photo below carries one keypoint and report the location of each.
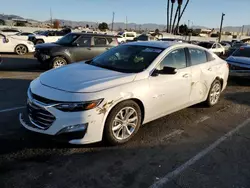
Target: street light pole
(113, 18)
(222, 18)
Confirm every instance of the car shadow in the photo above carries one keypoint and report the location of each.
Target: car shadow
(20, 63)
(242, 98)
(238, 81)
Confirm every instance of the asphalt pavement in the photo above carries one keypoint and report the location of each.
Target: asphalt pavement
(194, 148)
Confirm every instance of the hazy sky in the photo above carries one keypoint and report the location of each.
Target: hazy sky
(200, 12)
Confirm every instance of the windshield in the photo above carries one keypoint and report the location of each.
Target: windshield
(127, 58)
(205, 45)
(242, 52)
(68, 39)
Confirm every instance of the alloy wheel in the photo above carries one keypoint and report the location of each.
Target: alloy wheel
(125, 123)
(215, 93)
(21, 50)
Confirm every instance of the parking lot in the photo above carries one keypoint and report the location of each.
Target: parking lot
(194, 148)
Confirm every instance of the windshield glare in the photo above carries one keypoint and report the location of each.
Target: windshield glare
(67, 39)
(242, 52)
(127, 58)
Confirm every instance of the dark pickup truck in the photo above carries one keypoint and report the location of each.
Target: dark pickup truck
(73, 47)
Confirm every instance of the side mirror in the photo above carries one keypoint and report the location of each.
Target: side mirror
(165, 70)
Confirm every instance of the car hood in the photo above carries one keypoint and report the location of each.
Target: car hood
(47, 45)
(81, 77)
(243, 60)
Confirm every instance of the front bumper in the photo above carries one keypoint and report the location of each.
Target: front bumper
(91, 122)
(239, 73)
(62, 136)
(31, 48)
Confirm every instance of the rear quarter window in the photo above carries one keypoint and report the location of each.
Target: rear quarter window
(197, 56)
(112, 41)
(210, 57)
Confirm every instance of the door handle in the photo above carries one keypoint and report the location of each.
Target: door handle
(185, 75)
(209, 69)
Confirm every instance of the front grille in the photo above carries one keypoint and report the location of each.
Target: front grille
(40, 117)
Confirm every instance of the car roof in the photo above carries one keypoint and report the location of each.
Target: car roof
(94, 34)
(159, 44)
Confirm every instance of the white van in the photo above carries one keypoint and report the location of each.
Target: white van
(126, 36)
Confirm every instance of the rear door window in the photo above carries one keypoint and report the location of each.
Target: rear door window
(197, 56)
(84, 41)
(100, 41)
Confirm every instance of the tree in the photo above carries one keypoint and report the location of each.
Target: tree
(56, 24)
(20, 24)
(183, 29)
(179, 19)
(175, 17)
(168, 16)
(179, 14)
(103, 26)
(171, 15)
(157, 31)
(87, 26)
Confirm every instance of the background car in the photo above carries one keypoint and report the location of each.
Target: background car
(232, 49)
(145, 37)
(214, 47)
(226, 46)
(10, 44)
(126, 36)
(73, 47)
(22, 35)
(9, 31)
(110, 96)
(239, 62)
(48, 36)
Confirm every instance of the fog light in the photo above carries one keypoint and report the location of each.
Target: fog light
(74, 128)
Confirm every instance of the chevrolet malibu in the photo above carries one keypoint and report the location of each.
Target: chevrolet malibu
(112, 95)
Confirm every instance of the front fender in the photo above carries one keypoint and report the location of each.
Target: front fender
(63, 54)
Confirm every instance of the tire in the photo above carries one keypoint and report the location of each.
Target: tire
(214, 93)
(39, 42)
(115, 131)
(58, 62)
(21, 49)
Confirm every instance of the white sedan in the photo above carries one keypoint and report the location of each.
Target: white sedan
(112, 95)
(214, 47)
(10, 44)
(21, 35)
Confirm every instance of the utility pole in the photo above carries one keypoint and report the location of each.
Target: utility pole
(222, 18)
(51, 19)
(113, 18)
(126, 23)
(242, 30)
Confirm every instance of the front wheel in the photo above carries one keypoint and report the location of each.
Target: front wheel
(58, 62)
(214, 93)
(21, 49)
(122, 123)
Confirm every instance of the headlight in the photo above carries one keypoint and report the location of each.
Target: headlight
(78, 106)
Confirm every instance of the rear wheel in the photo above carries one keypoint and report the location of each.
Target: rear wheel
(39, 42)
(122, 123)
(58, 62)
(21, 49)
(214, 93)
